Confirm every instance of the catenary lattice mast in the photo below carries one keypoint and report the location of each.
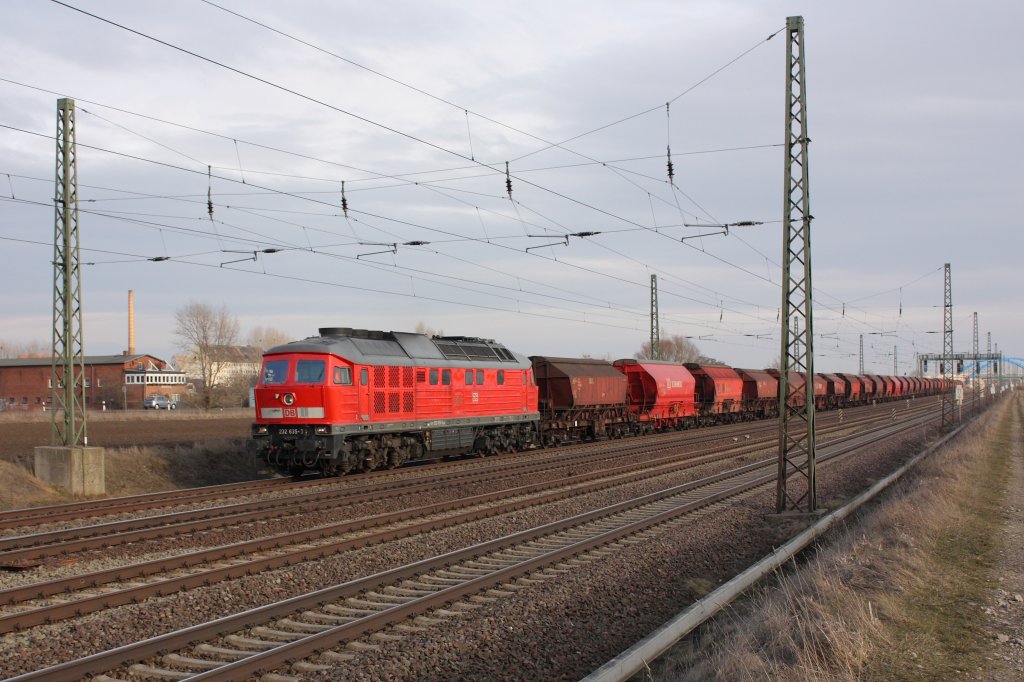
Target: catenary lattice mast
(796, 423)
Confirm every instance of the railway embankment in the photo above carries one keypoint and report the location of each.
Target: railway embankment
(926, 584)
(146, 451)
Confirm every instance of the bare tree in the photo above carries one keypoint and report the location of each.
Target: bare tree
(422, 328)
(675, 348)
(267, 337)
(202, 331)
(10, 349)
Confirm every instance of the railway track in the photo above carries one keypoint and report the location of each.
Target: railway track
(367, 612)
(54, 600)
(29, 549)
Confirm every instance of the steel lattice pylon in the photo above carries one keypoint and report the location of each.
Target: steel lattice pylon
(67, 369)
(796, 423)
(974, 378)
(988, 370)
(655, 324)
(948, 406)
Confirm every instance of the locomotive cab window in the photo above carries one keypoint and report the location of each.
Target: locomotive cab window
(479, 377)
(275, 372)
(501, 377)
(446, 377)
(343, 375)
(364, 377)
(469, 377)
(310, 371)
(433, 377)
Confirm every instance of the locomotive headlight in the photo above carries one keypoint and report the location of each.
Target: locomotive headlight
(259, 429)
(322, 429)
(288, 398)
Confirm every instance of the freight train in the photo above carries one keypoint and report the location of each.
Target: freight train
(352, 400)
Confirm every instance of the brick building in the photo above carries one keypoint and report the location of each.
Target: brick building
(111, 381)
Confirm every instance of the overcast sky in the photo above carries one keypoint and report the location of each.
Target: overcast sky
(914, 109)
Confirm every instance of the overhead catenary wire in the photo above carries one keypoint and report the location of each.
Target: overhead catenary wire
(244, 178)
(273, 191)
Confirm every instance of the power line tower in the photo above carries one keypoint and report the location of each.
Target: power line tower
(988, 369)
(861, 355)
(796, 423)
(655, 327)
(67, 369)
(895, 361)
(947, 351)
(975, 375)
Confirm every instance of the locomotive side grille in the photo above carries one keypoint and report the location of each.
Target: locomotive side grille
(379, 401)
(408, 378)
(378, 377)
(394, 402)
(394, 373)
(421, 376)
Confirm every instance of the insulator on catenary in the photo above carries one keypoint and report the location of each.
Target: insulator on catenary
(209, 191)
(344, 200)
(671, 171)
(508, 181)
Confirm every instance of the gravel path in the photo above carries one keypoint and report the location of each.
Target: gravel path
(1005, 609)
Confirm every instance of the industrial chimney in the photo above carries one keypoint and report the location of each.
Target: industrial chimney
(131, 322)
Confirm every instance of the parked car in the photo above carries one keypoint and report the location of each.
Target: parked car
(158, 402)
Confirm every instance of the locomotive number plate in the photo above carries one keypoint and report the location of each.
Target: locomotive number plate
(290, 432)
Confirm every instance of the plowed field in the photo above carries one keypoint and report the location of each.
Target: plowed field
(18, 438)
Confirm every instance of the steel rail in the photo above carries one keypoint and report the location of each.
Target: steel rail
(26, 618)
(570, 486)
(66, 541)
(112, 505)
(307, 645)
(49, 514)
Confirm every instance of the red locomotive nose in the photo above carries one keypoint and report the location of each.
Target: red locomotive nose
(288, 398)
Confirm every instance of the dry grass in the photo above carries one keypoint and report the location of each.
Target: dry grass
(20, 489)
(894, 597)
(133, 470)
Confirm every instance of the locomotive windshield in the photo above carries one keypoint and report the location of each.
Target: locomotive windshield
(310, 372)
(275, 372)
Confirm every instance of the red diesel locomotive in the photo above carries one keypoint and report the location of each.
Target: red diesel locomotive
(354, 400)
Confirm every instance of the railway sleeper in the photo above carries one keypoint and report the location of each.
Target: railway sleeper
(348, 610)
(189, 662)
(150, 672)
(251, 643)
(302, 626)
(337, 656)
(264, 631)
(223, 652)
(389, 598)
